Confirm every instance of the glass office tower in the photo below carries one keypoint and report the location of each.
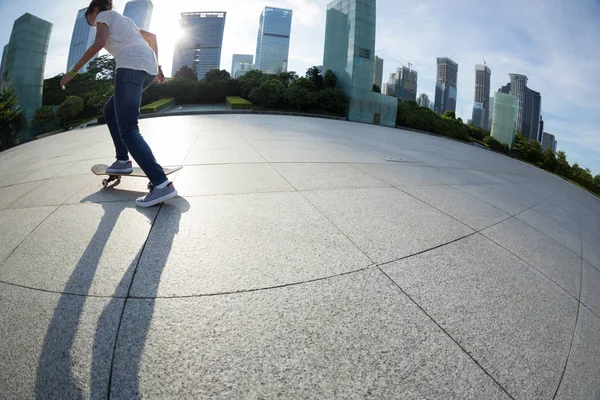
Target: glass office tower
(81, 40)
(504, 122)
(140, 11)
(200, 46)
(2, 64)
(273, 42)
(240, 62)
(349, 53)
(25, 63)
(445, 86)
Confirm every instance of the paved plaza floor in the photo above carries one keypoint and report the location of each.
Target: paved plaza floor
(305, 258)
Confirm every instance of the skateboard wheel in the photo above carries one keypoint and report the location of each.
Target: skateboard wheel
(104, 183)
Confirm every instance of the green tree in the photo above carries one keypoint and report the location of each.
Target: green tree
(298, 97)
(269, 94)
(251, 80)
(186, 72)
(597, 184)
(331, 100)
(549, 161)
(103, 67)
(304, 83)
(10, 117)
(329, 79)
(450, 114)
(43, 116)
(564, 169)
(287, 78)
(67, 111)
(376, 88)
(215, 75)
(314, 74)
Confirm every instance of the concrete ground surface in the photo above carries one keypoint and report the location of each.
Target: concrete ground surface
(304, 258)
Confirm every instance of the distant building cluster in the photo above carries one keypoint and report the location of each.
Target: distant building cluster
(349, 51)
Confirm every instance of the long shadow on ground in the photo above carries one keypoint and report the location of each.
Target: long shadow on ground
(58, 374)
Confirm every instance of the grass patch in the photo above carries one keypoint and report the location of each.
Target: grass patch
(156, 106)
(238, 103)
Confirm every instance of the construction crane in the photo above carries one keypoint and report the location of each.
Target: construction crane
(483, 59)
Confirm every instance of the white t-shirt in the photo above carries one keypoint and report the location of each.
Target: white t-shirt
(126, 44)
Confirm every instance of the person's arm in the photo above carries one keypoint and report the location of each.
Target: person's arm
(99, 43)
(153, 43)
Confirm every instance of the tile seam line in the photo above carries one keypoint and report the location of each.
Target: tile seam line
(578, 310)
(445, 332)
(29, 234)
(127, 296)
(321, 213)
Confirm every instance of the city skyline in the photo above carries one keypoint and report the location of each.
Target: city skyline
(507, 44)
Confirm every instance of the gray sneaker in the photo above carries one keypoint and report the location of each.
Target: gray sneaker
(120, 168)
(157, 196)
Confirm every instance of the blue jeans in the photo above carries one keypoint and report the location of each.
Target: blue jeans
(121, 114)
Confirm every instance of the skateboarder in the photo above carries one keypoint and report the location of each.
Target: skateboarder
(136, 53)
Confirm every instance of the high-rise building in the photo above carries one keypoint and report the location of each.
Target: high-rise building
(423, 100)
(518, 83)
(378, 74)
(236, 62)
(81, 40)
(532, 115)
(481, 109)
(548, 141)
(478, 115)
(504, 123)
(200, 46)
(2, 64)
(25, 63)
(273, 42)
(140, 11)
(403, 84)
(445, 87)
(491, 113)
(529, 106)
(349, 52)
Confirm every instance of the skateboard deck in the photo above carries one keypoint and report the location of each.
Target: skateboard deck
(100, 169)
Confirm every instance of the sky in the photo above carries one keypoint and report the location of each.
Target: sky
(554, 42)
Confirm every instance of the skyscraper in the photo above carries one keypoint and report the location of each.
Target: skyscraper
(403, 84)
(548, 141)
(423, 100)
(2, 64)
(25, 63)
(81, 40)
(504, 124)
(378, 75)
(237, 61)
(491, 113)
(481, 109)
(273, 42)
(140, 11)
(200, 46)
(445, 87)
(529, 106)
(349, 52)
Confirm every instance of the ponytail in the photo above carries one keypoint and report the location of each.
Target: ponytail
(102, 5)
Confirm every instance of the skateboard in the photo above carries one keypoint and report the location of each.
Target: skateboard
(100, 169)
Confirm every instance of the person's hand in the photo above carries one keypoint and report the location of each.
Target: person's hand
(160, 77)
(65, 79)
